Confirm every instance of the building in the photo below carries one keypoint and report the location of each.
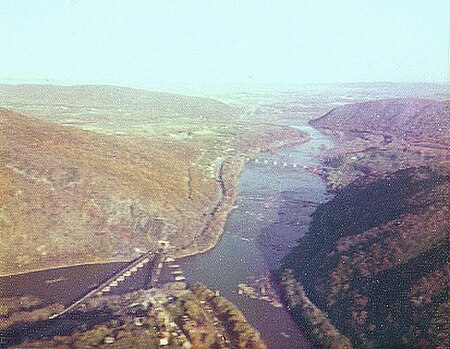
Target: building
(109, 340)
(139, 321)
(163, 339)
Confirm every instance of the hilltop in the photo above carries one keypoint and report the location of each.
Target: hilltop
(116, 104)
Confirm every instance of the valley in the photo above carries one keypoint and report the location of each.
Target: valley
(342, 217)
(81, 194)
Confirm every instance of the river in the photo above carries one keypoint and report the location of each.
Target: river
(261, 230)
(258, 233)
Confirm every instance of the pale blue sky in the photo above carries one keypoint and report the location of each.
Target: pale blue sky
(206, 42)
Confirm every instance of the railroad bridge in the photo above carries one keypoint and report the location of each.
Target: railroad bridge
(150, 262)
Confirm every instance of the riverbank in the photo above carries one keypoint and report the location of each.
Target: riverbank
(227, 178)
(322, 332)
(234, 260)
(230, 193)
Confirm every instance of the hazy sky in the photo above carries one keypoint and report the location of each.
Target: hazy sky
(207, 42)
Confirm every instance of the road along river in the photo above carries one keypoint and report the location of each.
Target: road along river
(258, 234)
(261, 230)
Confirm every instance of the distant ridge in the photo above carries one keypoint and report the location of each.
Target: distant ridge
(407, 120)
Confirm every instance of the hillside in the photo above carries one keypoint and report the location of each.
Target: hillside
(384, 136)
(407, 121)
(70, 195)
(373, 263)
(107, 185)
(375, 258)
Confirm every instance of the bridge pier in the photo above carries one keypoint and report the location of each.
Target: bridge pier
(152, 260)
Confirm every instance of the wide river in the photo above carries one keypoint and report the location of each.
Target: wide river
(262, 229)
(258, 234)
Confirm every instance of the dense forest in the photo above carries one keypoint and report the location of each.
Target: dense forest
(374, 259)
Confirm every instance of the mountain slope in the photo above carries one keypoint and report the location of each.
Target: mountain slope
(374, 258)
(408, 121)
(382, 136)
(69, 195)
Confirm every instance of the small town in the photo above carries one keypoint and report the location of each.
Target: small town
(166, 315)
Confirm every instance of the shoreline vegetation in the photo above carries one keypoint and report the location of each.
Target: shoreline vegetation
(309, 316)
(177, 317)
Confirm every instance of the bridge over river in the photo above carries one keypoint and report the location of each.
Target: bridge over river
(149, 263)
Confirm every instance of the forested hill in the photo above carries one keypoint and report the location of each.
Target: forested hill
(68, 195)
(379, 137)
(375, 257)
(375, 260)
